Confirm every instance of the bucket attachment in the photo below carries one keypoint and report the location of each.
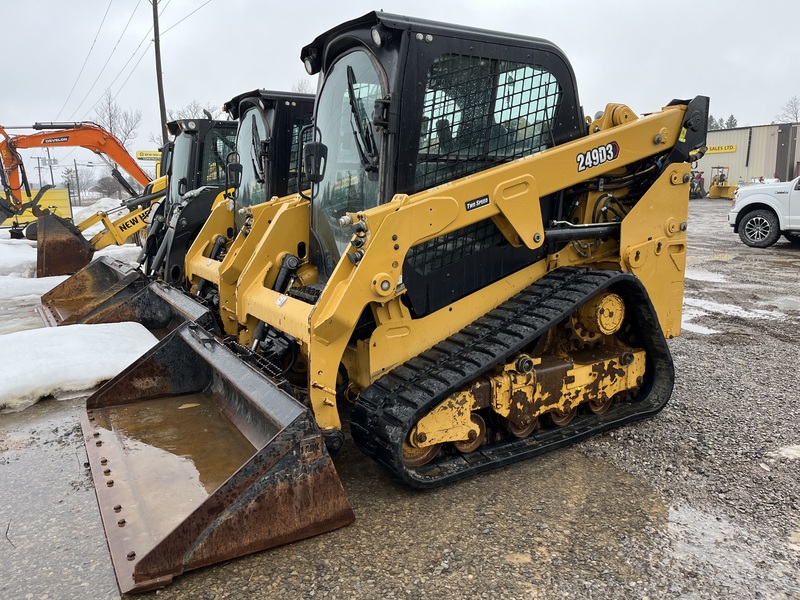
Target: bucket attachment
(110, 291)
(198, 458)
(61, 248)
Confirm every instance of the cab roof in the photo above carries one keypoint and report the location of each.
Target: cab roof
(406, 23)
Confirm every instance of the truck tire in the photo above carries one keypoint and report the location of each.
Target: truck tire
(759, 228)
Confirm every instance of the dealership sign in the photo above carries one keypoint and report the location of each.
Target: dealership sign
(148, 155)
(721, 149)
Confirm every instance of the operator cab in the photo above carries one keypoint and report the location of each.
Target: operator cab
(408, 104)
(195, 161)
(200, 150)
(268, 122)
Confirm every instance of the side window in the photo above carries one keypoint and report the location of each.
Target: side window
(252, 131)
(478, 112)
(216, 147)
(440, 120)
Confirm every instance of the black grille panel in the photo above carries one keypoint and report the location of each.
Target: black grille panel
(450, 248)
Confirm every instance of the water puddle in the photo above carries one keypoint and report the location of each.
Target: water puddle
(20, 315)
(792, 452)
(786, 303)
(733, 556)
(54, 541)
(702, 275)
(709, 306)
(697, 260)
(156, 461)
(687, 325)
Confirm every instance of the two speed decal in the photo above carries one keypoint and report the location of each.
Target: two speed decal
(597, 156)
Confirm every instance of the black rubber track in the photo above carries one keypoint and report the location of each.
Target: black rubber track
(388, 409)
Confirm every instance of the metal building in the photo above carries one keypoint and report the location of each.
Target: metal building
(769, 151)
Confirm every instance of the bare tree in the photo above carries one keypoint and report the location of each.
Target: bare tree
(303, 86)
(121, 123)
(108, 187)
(85, 179)
(790, 112)
(193, 110)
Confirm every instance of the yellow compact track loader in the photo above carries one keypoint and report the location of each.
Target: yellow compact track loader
(721, 187)
(108, 290)
(482, 272)
(195, 161)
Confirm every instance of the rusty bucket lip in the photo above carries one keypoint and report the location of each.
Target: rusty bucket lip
(113, 502)
(85, 290)
(234, 519)
(108, 290)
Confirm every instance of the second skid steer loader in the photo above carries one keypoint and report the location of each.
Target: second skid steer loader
(484, 273)
(267, 139)
(194, 162)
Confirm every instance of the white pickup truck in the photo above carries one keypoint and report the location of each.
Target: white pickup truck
(761, 213)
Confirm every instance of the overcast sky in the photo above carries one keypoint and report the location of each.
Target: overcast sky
(743, 54)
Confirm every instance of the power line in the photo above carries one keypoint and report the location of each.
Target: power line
(85, 60)
(130, 58)
(148, 47)
(108, 59)
(186, 17)
(132, 70)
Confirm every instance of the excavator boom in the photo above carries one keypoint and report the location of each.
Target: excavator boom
(55, 135)
(61, 248)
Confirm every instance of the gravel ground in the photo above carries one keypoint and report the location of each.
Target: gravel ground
(703, 501)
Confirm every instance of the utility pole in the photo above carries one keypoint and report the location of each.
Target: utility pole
(161, 105)
(39, 168)
(77, 182)
(50, 163)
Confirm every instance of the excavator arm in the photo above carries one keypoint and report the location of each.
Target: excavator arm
(83, 134)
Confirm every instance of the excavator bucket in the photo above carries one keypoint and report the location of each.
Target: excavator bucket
(198, 458)
(61, 248)
(110, 291)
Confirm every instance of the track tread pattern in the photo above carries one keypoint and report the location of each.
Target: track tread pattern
(387, 410)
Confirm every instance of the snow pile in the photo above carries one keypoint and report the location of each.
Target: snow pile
(39, 362)
(17, 258)
(128, 253)
(81, 213)
(21, 289)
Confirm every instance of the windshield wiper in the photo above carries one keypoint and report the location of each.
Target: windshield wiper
(365, 140)
(255, 158)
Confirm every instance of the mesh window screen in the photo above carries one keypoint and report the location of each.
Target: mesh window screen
(218, 144)
(479, 112)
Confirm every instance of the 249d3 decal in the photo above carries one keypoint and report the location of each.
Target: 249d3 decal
(597, 156)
